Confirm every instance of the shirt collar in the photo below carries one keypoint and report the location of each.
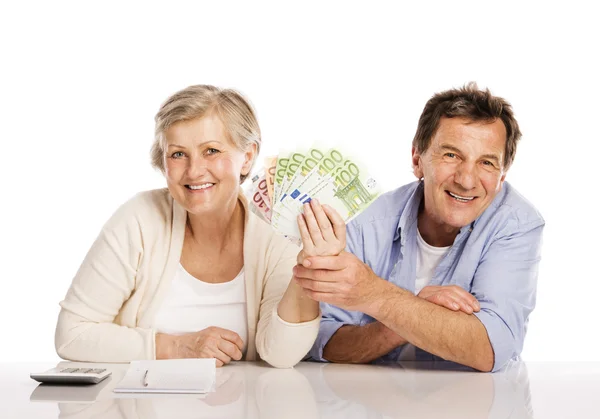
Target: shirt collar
(410, 213)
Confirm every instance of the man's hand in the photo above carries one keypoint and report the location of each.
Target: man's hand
(322, 230)
(343, 281)
(452, 297)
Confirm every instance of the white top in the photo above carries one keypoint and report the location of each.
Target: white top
(428, 258)
(109, 310)
(192, 305)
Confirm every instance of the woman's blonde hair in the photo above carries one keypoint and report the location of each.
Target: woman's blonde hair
(234, 111)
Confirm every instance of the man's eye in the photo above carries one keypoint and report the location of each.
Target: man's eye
(212, 151)
(451, 155)
(488, 163)
(177, 155)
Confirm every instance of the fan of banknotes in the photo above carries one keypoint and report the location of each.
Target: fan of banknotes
(288, 181)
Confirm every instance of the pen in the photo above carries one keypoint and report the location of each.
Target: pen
(145, 379)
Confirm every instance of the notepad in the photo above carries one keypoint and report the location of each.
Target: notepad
(196, 376)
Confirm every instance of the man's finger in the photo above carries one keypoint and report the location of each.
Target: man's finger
(315, 274)
(449, 302)
(320, 296)
(331, 263)
(317, 286)
(466, 296)
(466, 300)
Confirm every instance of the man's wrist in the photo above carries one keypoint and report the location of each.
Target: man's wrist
(384, 299)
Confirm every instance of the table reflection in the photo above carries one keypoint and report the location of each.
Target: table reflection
(312, 390)
(421, 390)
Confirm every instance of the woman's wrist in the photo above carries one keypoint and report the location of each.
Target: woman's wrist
(296, 306)
(164, 346)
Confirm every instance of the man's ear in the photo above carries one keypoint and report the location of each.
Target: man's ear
(416, 163)
(502, 180)
(249, 157)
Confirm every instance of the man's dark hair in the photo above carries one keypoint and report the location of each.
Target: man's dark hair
(473, 104)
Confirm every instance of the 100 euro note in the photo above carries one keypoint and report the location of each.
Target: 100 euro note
(283, 174)
(288, 216)
(282, 162)
(338, 181)
(305, 185)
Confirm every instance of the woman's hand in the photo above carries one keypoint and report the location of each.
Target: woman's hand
(452, 297)
(212, 342)
(322, 230)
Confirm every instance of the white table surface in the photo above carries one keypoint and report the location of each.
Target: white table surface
(311, 390)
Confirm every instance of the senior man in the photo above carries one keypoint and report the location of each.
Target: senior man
(445, 266)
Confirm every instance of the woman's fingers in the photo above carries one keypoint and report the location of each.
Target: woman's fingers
(230, 349)
(307, 243)
(232, 337)
(323, 221)
(313, 225)
(338, 223)
(221, 357)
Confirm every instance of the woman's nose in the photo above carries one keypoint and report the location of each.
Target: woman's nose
(196, 167)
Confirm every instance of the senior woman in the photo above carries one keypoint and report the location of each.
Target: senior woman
(189, 271)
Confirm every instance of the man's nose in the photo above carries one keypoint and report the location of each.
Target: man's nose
(466, 176)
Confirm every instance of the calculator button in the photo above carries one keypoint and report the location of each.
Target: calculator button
(98, 370)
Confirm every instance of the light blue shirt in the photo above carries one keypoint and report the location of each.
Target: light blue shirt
(495, 258)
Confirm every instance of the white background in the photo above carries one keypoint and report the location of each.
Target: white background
(80, 84)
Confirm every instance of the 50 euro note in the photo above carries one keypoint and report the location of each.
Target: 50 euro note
(259, 197)
(270, 167)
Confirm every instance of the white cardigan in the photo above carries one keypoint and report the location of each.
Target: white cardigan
(107, 313)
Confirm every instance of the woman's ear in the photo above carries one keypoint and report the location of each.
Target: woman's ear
(416, 163)
(249, 157)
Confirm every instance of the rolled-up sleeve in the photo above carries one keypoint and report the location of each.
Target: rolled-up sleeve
(505, 286)
(332, 318)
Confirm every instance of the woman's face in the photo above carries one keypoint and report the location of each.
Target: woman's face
(203, 166)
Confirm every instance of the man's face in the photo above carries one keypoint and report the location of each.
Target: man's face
(462, 170)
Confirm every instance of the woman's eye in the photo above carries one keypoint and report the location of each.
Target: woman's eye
(212, 151)
(177, 155)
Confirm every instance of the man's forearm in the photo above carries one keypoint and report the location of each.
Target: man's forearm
(454, 336)
(361, 344)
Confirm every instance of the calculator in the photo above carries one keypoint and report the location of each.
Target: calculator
(72, 375)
